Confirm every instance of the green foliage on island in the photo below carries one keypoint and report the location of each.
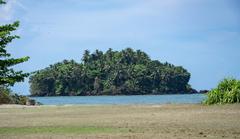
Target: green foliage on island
(126, 72)
(227, 91)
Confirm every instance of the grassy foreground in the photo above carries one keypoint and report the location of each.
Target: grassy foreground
(127, 122)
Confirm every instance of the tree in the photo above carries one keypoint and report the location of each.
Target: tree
(8, 76)
(86, 56)
(2, 2)
(97, 85)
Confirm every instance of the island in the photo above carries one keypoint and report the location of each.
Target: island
(125, 72)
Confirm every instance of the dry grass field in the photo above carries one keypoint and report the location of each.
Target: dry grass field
(120, 122)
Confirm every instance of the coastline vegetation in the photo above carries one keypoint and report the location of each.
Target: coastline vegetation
(227, 91)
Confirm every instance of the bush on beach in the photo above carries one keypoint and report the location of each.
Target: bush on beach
(227, 91)
(7, 97)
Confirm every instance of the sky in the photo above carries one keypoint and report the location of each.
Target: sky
(203, 36)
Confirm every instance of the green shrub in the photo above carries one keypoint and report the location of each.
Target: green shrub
(227, 91)
(7, 97)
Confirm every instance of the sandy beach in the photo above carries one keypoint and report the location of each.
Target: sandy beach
(120, 122)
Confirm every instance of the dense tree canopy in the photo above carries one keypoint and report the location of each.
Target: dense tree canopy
(127, 72)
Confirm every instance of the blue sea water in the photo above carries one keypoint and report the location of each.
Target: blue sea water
(123, 100)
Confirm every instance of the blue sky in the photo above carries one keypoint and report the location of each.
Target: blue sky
(203, 36)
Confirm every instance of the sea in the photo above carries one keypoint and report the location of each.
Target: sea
(122, 100)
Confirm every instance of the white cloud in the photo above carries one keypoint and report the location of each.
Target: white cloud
(129, 21)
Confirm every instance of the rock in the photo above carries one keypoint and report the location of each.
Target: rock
(31, 102)
(203, 91)
(192, 91)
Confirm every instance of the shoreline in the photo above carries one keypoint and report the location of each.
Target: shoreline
(117, 105)
(99, 105)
